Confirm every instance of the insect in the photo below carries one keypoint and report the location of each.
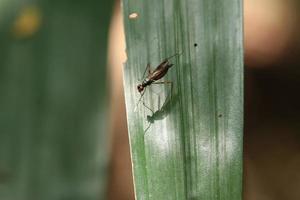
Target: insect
(154, 76)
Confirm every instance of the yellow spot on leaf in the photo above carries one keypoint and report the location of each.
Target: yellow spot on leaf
(27, 23)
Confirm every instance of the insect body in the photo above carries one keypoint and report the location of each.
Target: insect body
(153, 76)
(160, 71)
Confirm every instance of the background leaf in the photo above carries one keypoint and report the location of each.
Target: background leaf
(53, 99)
(193, 147)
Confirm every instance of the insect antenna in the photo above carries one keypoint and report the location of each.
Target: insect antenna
(176, 54)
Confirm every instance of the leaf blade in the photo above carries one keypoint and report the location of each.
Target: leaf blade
(193, 148)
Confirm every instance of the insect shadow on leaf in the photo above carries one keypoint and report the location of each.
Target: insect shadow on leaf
(162, 112)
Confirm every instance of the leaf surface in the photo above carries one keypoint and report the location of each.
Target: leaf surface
(190, 145)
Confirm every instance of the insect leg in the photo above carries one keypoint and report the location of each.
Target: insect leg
(136, 106)
(162, 82)
(141, 100)
(149, 68)
(166, 82)
(155, 93)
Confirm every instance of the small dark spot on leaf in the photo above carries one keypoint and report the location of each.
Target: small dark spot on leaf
(220, 115)
(195, 45)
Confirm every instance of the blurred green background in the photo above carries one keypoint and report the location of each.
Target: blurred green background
(53, 99)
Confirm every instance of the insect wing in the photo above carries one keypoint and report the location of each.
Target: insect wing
(160, 71)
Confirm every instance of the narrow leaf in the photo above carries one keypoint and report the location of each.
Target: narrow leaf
(190, 145)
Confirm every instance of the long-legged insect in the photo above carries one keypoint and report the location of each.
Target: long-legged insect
(153, 76)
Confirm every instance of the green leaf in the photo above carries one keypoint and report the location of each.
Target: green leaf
(191, 146)
(53, 99)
